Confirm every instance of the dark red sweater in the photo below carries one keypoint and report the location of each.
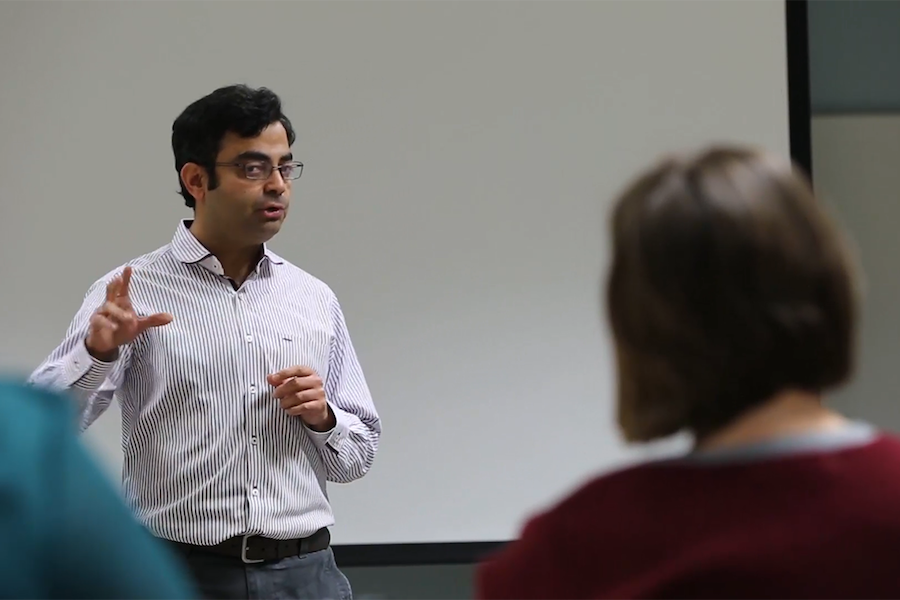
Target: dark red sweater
(821, 525)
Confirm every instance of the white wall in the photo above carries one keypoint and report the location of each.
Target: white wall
(460, 157)
(856, 167)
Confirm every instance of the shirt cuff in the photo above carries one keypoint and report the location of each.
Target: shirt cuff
(83, 371)
(333, 438)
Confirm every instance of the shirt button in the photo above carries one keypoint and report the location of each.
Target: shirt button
(254, 492)
(249, 338)
(252, 388)
(253, 440)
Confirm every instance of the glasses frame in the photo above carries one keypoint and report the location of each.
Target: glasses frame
(269, 168)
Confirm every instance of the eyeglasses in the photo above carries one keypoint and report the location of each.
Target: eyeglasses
(262, 170)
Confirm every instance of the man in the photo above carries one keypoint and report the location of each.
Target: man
(71, 536)
(240, 389)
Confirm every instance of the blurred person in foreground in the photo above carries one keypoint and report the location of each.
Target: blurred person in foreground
(732, 301)
(66, 532)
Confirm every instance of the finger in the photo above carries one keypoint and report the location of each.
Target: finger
(112, 289)
(296, 371)
(297, 411)
(300, 398)
(310, 382)
(123, 297)
(118, 315)
(287, 388)
(126, 279)
(298, 384)
(155, 320)
(307, 408)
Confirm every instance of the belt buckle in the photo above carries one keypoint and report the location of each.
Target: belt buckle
(244, 551)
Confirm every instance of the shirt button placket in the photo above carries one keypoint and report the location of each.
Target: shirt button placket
(240, 304)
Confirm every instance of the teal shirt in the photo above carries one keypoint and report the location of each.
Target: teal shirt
(64, 530)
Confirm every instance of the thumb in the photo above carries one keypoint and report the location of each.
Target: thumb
(155, 320)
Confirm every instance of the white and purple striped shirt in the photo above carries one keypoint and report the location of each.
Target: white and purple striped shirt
(208, 451)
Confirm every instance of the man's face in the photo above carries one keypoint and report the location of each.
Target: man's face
(244, 208)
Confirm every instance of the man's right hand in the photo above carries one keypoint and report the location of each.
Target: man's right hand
(115, 323)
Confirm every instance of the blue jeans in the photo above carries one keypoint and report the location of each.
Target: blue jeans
(313, 576)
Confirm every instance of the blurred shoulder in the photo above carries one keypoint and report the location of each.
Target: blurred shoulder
(24, 407)
(618, 488)
(36, 424)
(33, 425)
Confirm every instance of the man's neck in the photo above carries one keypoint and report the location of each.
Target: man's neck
(787, 413)
(237, 261)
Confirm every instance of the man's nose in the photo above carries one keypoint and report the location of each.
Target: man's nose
(276, 183)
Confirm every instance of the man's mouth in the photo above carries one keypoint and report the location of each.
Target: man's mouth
(273, 211)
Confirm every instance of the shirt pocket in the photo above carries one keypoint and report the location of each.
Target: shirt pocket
(296, 342)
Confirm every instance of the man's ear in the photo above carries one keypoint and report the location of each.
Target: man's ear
(195, 179)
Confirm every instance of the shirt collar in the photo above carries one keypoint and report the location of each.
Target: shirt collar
(189, 250)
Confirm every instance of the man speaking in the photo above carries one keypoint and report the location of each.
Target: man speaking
(240, 390)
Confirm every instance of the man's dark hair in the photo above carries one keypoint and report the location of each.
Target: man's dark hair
(729, 284)
(198, 131)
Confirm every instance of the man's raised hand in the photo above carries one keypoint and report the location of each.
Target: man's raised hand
(115, 323)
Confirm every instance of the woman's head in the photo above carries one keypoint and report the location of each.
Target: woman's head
(729, 284)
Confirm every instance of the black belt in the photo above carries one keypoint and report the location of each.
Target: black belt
(256, 549)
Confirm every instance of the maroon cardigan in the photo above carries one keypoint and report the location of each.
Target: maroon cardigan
(823, 524)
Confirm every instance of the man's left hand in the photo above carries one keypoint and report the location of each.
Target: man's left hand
(302, 394)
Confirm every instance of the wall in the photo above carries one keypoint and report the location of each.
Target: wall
(854, 62)
(855, 161)
(854, 48)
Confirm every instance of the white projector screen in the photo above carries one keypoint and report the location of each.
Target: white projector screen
(460, 162)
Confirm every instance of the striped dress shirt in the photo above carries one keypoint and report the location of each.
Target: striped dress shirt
(208, 451)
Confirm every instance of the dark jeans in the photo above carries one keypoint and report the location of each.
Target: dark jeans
(313, 576)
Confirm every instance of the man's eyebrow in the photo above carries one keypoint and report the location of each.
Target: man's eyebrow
(255, 155)
(252, 155)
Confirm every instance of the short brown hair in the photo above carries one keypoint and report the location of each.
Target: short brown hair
(729, 283)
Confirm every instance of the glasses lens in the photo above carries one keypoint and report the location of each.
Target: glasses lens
(257, 170)
(291, 170)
